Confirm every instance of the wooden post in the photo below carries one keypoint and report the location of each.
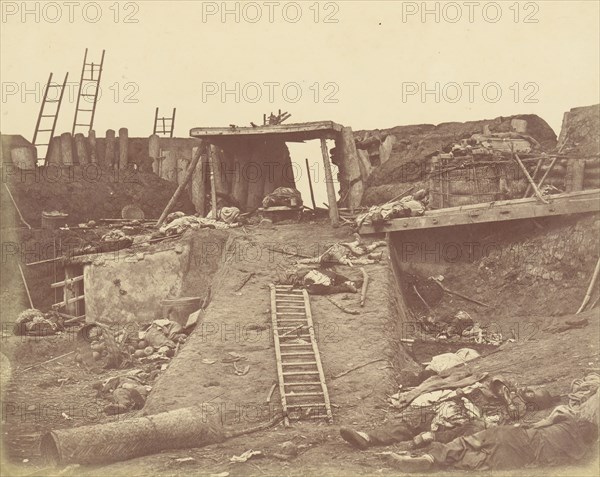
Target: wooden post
(239, 185)
(154, 152)
(575, 175)
(312, 193)
(254, 175)
(530, 180)
(212, 152)
(218, 169)
(23, 157)
(333, 209)
(92, 146)
(71, 290)
(123, 148)
(109, 154)
(179, 189)
(81, 149)
(350, 168)
(168, 166)
(198, 186)
(66, 149)
(54, 155)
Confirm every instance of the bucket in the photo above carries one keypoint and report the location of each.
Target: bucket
(53, 220)
(179, 309)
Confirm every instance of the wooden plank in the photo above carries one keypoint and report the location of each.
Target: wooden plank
(531, 207)
(317, 127)
(70, 300)
(313, 340)
(278, 355)
(70, 281)
(333, 210)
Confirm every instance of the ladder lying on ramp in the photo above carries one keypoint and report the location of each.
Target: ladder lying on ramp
(301, 380)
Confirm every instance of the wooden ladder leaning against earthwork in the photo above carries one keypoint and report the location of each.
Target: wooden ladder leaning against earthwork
(301, 380)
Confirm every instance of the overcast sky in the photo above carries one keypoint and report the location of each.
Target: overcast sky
(362, 64)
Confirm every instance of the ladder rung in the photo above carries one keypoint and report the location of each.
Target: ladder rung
(295, 295)
(297, 354)
(314, 383)
(295, 344)
(41, 144)
(87, 94)
(300, 363)
(52, 101)
(48, 115)
(289, 313)
(82, 125)
(44, 130)
(315, 404)
(87, 110)
(319, 393)
(293, 320)
(300, 373)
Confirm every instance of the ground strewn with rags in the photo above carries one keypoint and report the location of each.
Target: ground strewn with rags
(548, 359)
(240, 322)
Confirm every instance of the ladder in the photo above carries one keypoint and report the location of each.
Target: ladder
(302, 385)
(167, 124)
(45, 143)
(90, 76)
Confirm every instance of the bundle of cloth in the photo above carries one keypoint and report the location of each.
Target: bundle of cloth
(409, 206)
(283, 196)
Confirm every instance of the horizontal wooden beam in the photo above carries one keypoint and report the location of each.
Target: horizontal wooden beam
(69, 301)
(68, 281)
(528, 208)
(313, 128)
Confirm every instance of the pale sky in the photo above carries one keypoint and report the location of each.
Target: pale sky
(362, 64)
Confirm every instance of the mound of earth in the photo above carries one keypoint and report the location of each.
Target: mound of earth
(90, 193)
(413, 144)
(579, 132)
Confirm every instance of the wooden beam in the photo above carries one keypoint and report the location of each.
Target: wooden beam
(67, 282)
(528, 208)
(317, 127)
(180, 189)
(212, 153)
(333, 209)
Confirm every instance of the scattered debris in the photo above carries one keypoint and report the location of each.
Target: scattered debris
(245, 456)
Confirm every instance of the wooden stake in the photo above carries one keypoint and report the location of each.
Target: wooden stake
(460, 295)
(537, 168)
(344, 309)
(365, 285)
(550, 167)
(49, 361)
(588, 294)
(180, 189)
(16, 207)
(530, 180)
(213, 189)
(312, 193)
(333, 210)
(358, 367)
(26, 287)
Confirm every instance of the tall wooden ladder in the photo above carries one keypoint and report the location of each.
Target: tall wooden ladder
(46, 122)
(302, 385)
(167, 125)
(90, 76)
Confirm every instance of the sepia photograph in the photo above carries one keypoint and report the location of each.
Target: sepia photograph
(300, 238)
